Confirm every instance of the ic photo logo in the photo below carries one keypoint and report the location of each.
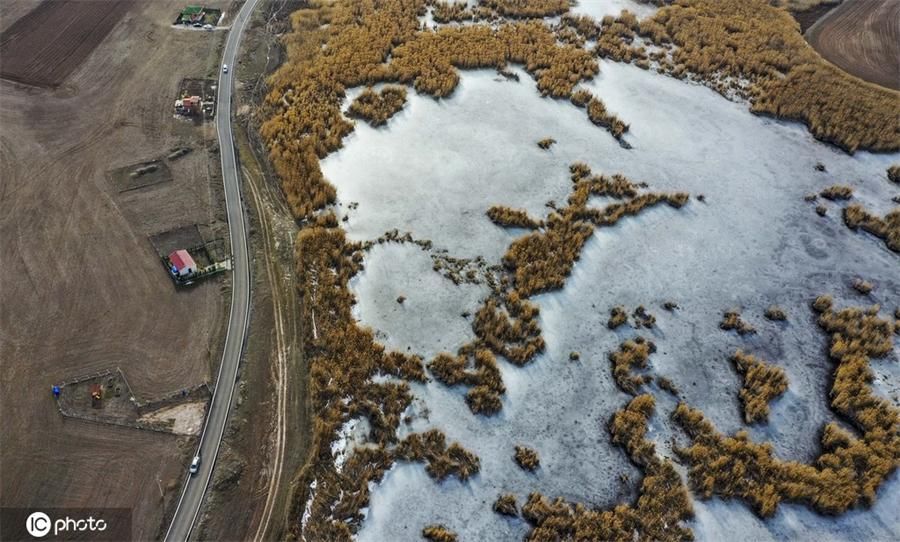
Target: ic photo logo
(38, 524)
(65, 524)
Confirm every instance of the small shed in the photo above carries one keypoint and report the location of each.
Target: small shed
(182, 263)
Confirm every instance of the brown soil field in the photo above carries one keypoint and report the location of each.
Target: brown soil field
(862, 37)
(83, 290)
(51, 41)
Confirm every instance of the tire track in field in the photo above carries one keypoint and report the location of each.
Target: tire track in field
(862, 37)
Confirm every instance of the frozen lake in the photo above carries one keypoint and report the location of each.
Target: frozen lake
(440, 164)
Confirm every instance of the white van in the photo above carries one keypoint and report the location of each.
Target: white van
(195, 465)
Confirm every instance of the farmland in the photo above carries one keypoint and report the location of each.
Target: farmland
(52, 40)
(863, 38)
(88, 292)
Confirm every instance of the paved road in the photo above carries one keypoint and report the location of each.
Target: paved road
(195, 486)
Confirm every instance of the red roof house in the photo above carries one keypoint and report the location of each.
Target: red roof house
(182, 263)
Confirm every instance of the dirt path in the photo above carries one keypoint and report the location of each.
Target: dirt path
(862, 37)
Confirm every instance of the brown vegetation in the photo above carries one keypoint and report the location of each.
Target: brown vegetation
(863, 286)
(512, 218)
(849, 470)
(752, 41)
(617, 317)
(632, 354)
(775, 313)
(732, 320)
(439, 533)
(528, 8)
(762, 384)
(527, 458)
(821, 210)
(443, 460)
(546, 143)
(542, 260)
(887, 228)
(893, 173)
(485, 380)
(837, 192)
(378, 107)
(506, 505)
(663, 502)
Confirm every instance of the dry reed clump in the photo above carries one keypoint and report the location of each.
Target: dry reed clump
(445, 12)
(762, 384)
(821, 210)
(837, 192)
(528, 8)
(378, 107)
(732, 320)
(863, 286)
(616, 38)
(439, 533)
(546, 143)
(512, 218)
(632, 354)
(887, 228)
(443, 460)
(822, 303)
(642, 318)
(775, 313)
(598, 114)
(527, 458)
(893, 173)
(617, 317)
(510, 330)
(666, 384)
(758, 49)
(542, 260)
(849, 470)
(506, 505)
(663, 502)
(485, 380)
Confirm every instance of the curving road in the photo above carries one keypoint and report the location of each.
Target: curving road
(214, 428)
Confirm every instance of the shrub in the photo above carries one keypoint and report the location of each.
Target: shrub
(506, 505)
(775, 313)
(893, 173)
(617, 317)
(443, 460)
(863, 286)
(512, 218)
(732, 320)
(837, 192)
(439, 533)
(821, 210)
(822, 303)
(632, 353)
(642, 318)
(527, 458)
(762, 384)
(888, 228)
(378, 107)
(546, 143)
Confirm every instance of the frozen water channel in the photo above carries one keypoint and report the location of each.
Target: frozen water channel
(440, 164)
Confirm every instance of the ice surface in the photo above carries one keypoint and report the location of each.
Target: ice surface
(429, 320)
(437, 167)
(598, 8)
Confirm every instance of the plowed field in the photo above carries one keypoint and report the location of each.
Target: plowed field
(862, 37)
(51, 41)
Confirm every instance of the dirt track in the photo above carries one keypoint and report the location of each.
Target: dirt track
(82, 289)
(863, 38)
